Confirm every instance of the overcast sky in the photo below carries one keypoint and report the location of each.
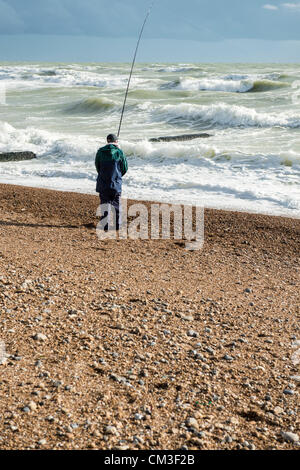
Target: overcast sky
(273, 25)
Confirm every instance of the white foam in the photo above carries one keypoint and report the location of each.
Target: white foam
(195, 173)
(251, 162)
(209, 84)
(34, 77)
(253, 77)
(45, 143)
(171, 150)
(178, 69)
(225, 115)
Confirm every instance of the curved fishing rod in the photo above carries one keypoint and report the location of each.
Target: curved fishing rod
(132, 66)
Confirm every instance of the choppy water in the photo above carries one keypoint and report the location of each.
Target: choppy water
(62, 112)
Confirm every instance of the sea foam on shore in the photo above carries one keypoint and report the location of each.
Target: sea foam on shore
(251, 162)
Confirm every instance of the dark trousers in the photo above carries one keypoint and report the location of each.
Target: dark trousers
(108, 199)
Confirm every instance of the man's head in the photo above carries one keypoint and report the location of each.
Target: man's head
(112, 139)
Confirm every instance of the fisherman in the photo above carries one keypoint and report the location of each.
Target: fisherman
(111, 165)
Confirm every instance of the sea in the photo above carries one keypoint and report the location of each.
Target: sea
(250, 162)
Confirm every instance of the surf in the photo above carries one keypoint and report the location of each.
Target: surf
(223, 85)
(90, 106)
(223, 115)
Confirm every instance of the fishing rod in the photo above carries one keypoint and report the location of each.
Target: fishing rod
(132, 66)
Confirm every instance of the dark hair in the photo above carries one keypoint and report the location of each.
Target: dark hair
(112, 138)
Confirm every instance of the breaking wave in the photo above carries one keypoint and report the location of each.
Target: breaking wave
(268, 85)
(90, 106)
(75, 151)
(177, 69)
(224, 115)
(225, 85)
(266, 76)
(64, 77)
(45, 143)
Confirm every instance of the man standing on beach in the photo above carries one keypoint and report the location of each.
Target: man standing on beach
(111, 165)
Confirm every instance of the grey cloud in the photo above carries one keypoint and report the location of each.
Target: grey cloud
(202, 20)
(9, 19)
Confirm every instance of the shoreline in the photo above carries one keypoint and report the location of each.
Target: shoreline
(123, 344)
(210, 208)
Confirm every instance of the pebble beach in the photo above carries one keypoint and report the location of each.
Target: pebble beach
(142, 344)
